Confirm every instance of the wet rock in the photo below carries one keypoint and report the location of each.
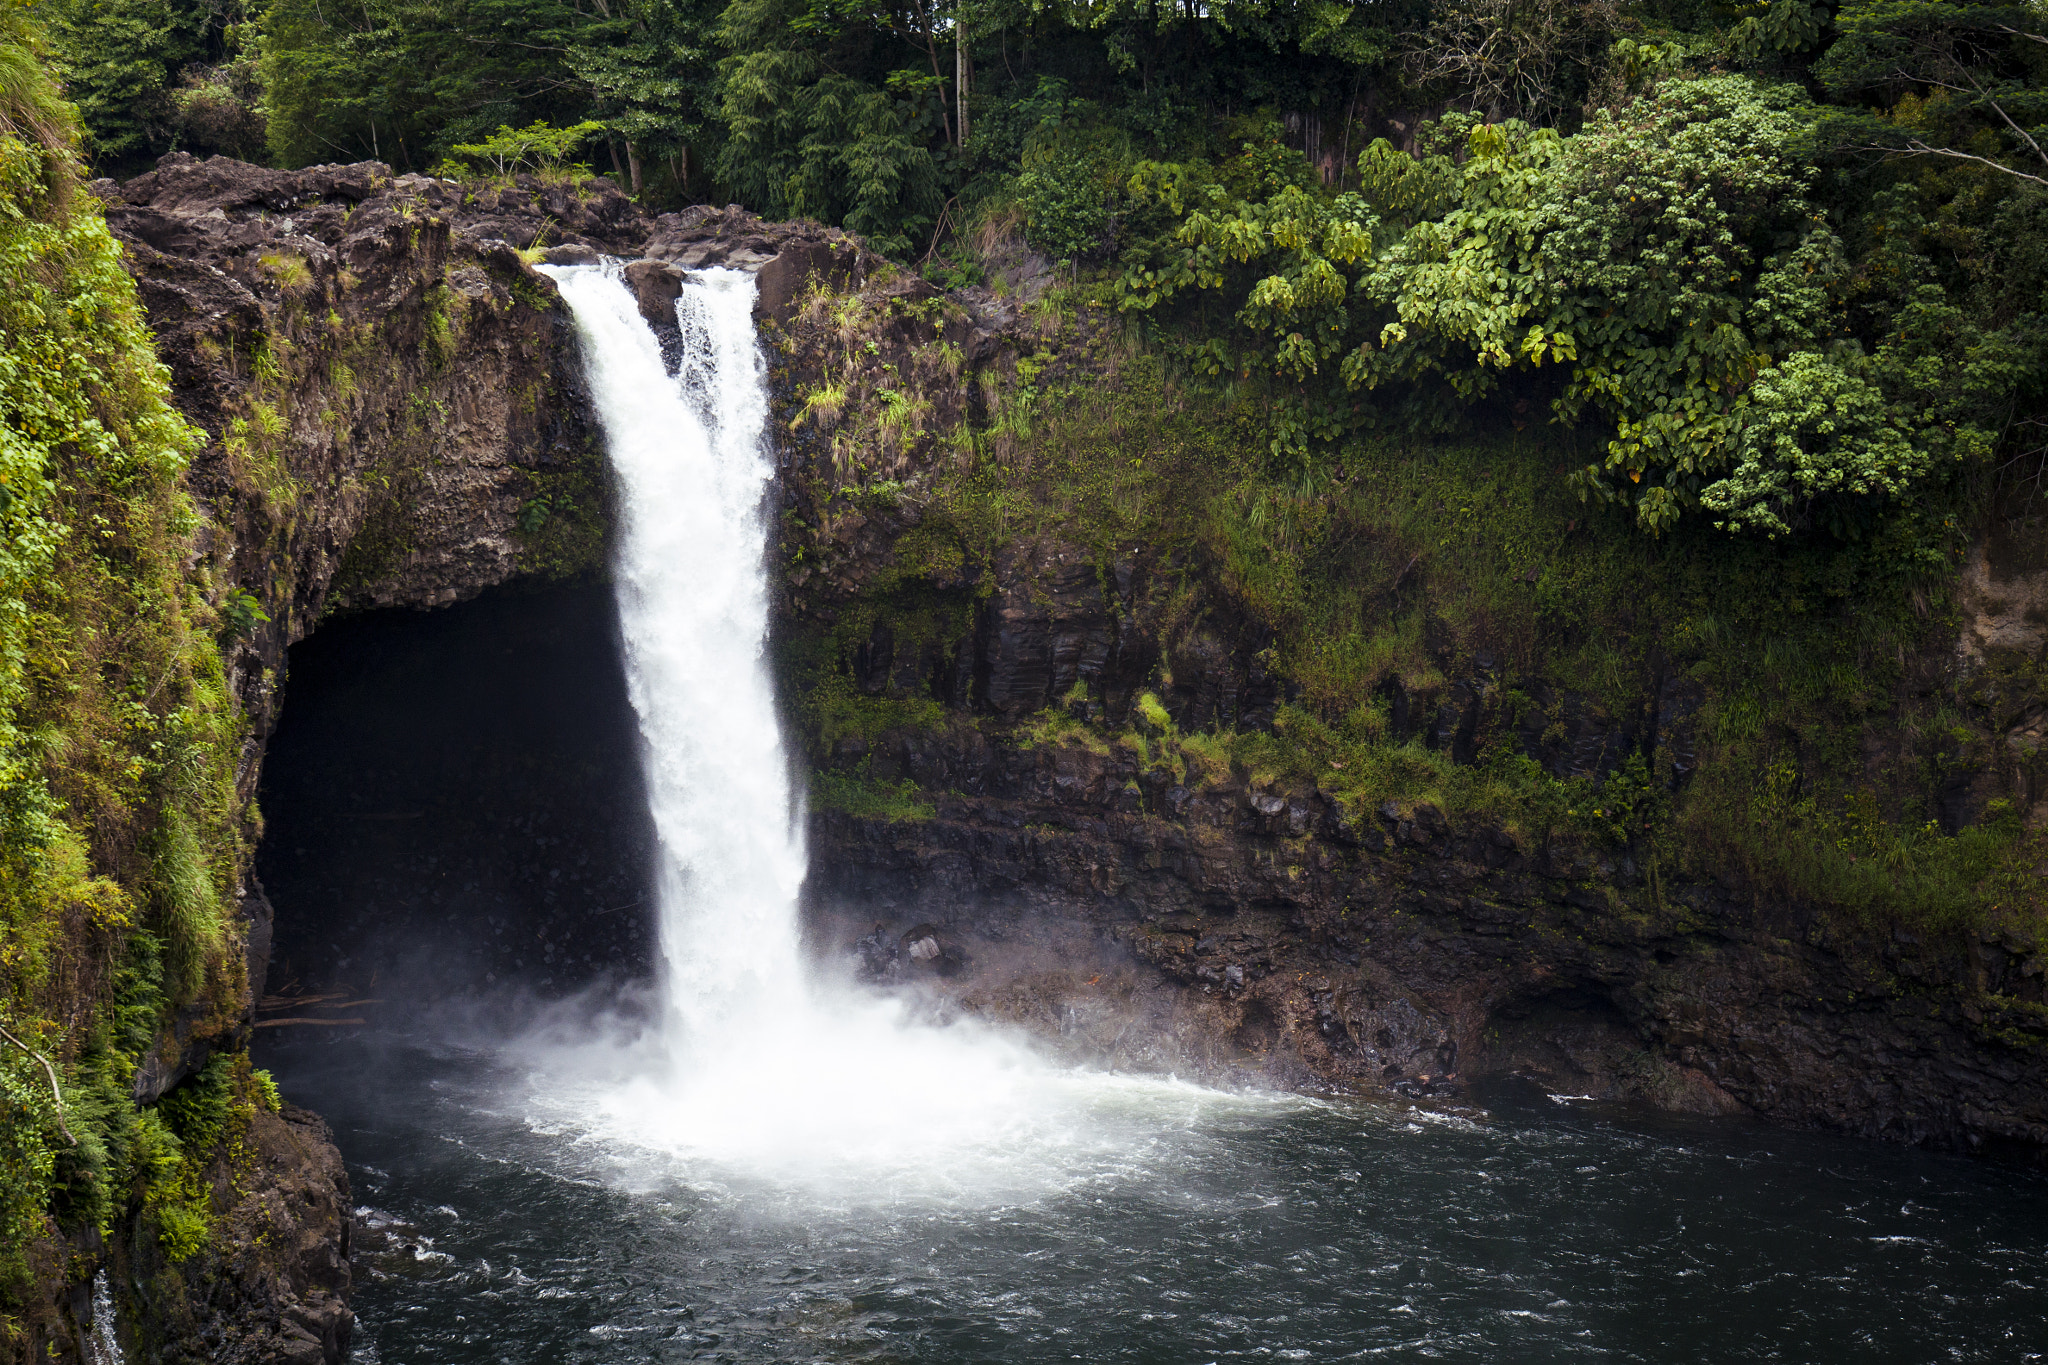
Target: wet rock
(1269, 813)
(784, 278)
(1677, 708)
(928, 948)
(656, 286)
(786, 257)
(278, 1273)
(230, 257)
(1383, 970)
(880, 954)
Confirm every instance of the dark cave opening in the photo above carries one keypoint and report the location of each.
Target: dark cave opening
(453, 805)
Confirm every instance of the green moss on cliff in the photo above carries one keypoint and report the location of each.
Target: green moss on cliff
(1414, 575)
(121, 846)
(562, 523)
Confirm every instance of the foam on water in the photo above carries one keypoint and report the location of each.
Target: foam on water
(757, 1066)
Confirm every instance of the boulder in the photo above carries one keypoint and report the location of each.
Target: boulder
(932, 949)
(656, 286)
(783, 279)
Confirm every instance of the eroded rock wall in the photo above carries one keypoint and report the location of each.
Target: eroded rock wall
(1267, 936)
(393, 405)
(1015, 838)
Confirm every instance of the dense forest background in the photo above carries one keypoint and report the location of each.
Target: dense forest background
(1792, 254)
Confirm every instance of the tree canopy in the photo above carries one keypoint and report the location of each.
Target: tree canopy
(1783, 260)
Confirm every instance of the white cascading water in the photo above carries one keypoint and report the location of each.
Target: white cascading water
(692, 470)
(758, 1068)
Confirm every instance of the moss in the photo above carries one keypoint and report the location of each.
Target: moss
(1057, 726)
(869, 798)
(562, 523)
(1411, 567)
(376, 552)
(439, 325)
(120, 834)
(290, 270)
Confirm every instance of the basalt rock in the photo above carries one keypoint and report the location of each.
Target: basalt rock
(656, 286)
(1259, 935)
(272, 1284)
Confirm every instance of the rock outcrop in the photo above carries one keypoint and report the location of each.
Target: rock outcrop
(1264, 935)
(1133, 909)
(1090, 883)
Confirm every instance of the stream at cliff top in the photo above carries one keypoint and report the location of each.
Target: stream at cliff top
(750, 1160)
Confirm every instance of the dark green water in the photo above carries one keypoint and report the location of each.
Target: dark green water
(1184, 1230)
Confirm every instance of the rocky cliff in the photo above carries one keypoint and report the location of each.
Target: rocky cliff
(1074, 769)
(1057, 731)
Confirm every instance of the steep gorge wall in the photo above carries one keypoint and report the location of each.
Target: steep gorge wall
(394, 419)
(311, 322)
(1012, 714)
(391, 402)
(1263, 929)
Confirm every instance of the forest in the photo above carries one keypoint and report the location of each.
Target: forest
(1792, 255)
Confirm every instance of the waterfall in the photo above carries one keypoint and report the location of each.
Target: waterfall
(103, 1345)
(692, 466)
(758, 1068)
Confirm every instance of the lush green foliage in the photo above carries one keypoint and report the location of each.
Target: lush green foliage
(1665, 274)
(541, 148)
(151, 75)
(805, 139)
(1963, 81)
(121, 835)
(1432, 562)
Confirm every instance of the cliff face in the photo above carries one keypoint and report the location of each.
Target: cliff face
(1068, 775)
(391, 403)
(1265, 935)
(1265, 930)
(1089, 873)
(1014, 723)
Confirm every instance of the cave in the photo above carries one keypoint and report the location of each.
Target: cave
(452, 805)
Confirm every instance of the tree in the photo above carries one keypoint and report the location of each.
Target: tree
(404, 80)
(651, 81)
(539, 147)
(1667, 274)
(805, 136)
(1528, 59)
(1952, 71)
(120, 60)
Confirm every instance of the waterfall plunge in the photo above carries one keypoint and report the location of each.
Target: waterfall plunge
(759, 1069)
(690, 570)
